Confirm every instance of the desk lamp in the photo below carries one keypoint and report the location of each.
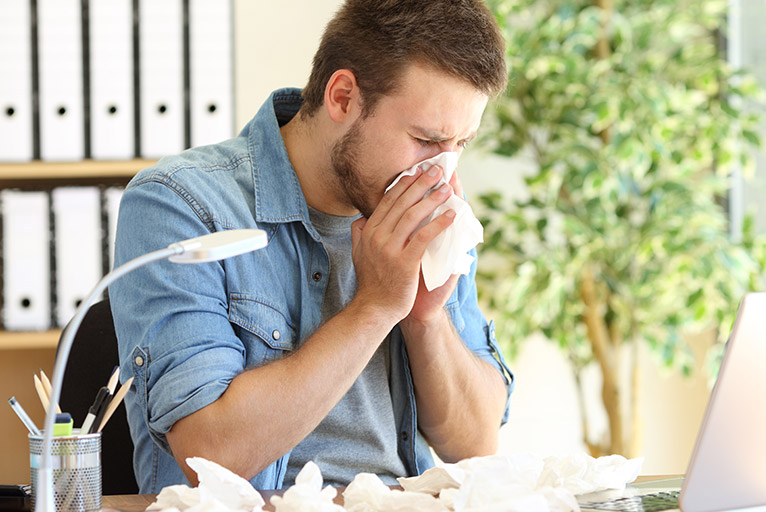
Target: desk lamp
(211, 247)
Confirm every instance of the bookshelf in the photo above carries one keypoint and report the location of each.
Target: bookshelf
(43, 172)
(38, 174)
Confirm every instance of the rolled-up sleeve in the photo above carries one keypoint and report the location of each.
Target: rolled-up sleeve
(175, 315)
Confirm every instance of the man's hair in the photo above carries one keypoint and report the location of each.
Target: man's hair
(377, 39)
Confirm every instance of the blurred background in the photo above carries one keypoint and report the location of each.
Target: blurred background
(619, 181)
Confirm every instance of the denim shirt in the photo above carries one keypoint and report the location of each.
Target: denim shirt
(185, 331)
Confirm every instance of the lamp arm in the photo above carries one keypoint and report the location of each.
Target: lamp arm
(44, 499)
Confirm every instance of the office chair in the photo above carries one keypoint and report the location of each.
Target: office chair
(92, 358)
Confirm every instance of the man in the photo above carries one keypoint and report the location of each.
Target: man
(325, 345)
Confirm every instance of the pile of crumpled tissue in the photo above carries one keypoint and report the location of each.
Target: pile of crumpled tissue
(523, 483)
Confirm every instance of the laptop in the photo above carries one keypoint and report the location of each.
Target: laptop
(727, 470)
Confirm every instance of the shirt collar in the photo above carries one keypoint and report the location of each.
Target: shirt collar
(278, 194)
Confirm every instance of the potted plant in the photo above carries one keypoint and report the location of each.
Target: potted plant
(635, 122)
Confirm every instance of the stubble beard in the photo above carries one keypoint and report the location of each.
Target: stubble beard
(344, 160)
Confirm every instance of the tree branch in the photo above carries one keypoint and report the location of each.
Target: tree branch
(607, 357)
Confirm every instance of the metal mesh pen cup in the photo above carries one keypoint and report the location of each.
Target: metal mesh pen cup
(76, 470)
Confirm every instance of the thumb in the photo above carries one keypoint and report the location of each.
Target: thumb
(356, 231)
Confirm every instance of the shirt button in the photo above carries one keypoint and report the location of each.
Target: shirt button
(139, 361)
(275, 334)
(405, 436)
(317, 276)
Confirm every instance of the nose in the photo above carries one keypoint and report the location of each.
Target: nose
(450, 147)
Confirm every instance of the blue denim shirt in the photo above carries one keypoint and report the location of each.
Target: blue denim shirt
(185, 331)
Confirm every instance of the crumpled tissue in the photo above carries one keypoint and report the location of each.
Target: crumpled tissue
(448, 254)
(307, 494)
(368, 493)
(219, 490)
(517, 483)
(524, 482)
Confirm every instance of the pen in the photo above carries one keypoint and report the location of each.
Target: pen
(22, 414)
(101, 411)
(94, 409)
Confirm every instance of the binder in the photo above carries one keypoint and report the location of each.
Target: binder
(111, 79)
(161, 77)
(62, 125)
(112, 198)
(77, 232)
(210, 68)
(26, 260)
(15, 81)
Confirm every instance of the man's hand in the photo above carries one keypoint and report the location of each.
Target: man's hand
(429, 304)
(387, 255)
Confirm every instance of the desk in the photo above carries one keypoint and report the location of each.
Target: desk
(139, 502)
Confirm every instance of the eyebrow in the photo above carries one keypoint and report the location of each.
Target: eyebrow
(436, 136)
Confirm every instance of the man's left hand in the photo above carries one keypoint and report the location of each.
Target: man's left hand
(429, 304)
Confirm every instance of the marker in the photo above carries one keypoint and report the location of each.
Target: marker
(22, 414)
(63, 425)
(94, 409)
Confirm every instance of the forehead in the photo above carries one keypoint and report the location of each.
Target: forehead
(430, 98)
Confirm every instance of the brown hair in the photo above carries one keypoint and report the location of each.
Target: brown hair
(377, 39)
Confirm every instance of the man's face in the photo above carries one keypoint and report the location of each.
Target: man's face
(432, 112)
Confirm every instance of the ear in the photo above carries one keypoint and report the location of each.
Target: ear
(341, 96)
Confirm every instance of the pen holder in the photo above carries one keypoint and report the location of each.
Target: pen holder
(76, 470)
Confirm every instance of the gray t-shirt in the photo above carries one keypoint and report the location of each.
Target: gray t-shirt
(359, 433)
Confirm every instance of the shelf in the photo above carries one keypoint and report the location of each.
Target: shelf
(28, 340)
(38, 170)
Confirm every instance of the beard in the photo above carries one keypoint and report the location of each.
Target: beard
(344, 162)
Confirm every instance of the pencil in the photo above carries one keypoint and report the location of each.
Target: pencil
(47, 387)
(115, 402)
(41, 393)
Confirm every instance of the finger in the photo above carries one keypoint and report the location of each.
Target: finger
(390, 197)
(425, 235)
(413, 195)
(356, 231)
(456, 184)
(414, 217)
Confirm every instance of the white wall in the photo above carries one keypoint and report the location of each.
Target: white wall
(275, 42)
(273, 47)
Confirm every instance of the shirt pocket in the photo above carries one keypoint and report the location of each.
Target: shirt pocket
(264, 330)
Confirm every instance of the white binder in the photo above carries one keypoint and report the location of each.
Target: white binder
(111, 79)
(61, 82)
(210, 70)
(26, 260)
(160, 28)
(112, 197)
(77, 231)
(15, 81)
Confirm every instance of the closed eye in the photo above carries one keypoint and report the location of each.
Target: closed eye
(424, 142)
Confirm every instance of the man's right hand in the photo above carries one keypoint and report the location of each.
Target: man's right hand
(385, 252)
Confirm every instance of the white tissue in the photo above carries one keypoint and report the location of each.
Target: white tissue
(307, 494)
(178, 497)
(523, 482)
(219, 490)
(368, 493)
(448, 254)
